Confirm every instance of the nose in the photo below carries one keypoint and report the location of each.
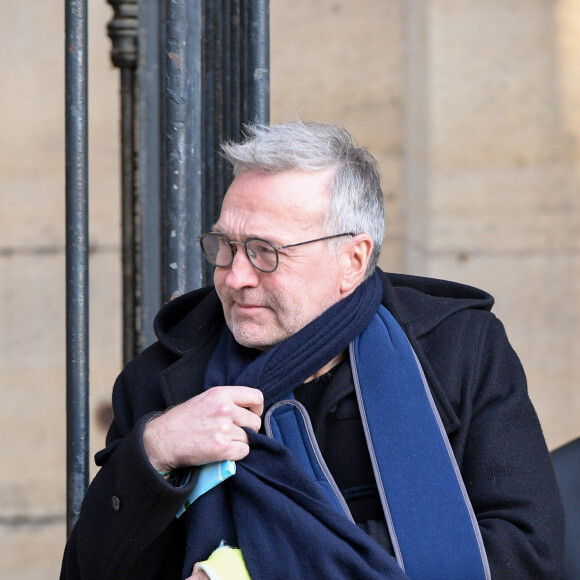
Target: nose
(242, 274)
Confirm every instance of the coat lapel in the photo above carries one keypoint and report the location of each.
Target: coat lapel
(184, 378)
(194, 339)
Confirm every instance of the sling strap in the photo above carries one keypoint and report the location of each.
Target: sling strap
(432, 525)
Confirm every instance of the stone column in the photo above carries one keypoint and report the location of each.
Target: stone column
(491, 177)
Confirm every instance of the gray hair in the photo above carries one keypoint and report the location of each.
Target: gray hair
(357, 200)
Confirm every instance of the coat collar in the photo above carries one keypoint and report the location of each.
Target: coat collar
(420, 304)
(189, 322)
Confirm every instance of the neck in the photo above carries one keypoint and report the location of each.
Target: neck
(329, 365)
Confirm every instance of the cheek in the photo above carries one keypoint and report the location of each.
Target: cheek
(218, 275)
(300, 304)
(219, 280)
(322, 293)
(220, 288)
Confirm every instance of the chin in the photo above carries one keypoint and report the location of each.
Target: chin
(253, 339)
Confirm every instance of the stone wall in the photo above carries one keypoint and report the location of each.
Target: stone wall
(491, 175)
(32, 273)
(471, 108)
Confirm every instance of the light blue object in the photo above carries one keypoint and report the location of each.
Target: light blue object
(210, 475)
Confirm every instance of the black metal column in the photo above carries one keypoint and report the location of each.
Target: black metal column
(258, 76)
(123, 33)
(181, 205)
(202, 71)
(217, 79)
(77, 244)
(236, 89)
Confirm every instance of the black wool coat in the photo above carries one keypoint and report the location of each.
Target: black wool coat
(127, 526)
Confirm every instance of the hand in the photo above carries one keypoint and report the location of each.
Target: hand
(198, 574)
(206, 428)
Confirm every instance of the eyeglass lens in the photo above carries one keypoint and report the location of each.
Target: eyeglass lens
(216, 250)
(220, 252)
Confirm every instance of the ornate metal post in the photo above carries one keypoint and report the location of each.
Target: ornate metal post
(123, 31)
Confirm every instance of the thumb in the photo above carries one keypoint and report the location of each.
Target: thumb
(198, 574)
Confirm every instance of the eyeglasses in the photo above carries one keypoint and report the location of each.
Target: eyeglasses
(219, 250)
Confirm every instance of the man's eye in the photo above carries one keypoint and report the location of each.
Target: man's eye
(261, 249)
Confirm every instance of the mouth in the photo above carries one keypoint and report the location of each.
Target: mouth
(247, 308)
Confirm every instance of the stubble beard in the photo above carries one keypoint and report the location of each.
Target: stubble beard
(287, 318)
(283, 320)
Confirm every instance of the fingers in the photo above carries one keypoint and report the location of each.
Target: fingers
(247, 397)
(236, 451)
(244, 405)
(198, 574)
(208, 427)
(246, 418)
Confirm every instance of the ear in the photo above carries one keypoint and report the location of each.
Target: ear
(354, 260)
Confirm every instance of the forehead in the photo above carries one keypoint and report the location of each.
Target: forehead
(264, 204)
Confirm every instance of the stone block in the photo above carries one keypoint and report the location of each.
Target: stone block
(32, 549)
(343, 62)
(492, 88)
(507, 209)
(32, 148)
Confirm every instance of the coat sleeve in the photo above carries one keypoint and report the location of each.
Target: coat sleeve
(127, 526)
(506, 465)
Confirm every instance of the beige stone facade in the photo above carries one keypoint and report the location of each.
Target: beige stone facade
(473, 109)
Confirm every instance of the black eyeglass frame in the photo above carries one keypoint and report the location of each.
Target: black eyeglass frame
(245, 244)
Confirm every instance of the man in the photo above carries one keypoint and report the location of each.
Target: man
(299, 311)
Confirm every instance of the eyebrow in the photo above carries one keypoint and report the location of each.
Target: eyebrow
(216, 230)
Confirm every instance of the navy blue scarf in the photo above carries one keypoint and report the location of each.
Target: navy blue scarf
(278, 516)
